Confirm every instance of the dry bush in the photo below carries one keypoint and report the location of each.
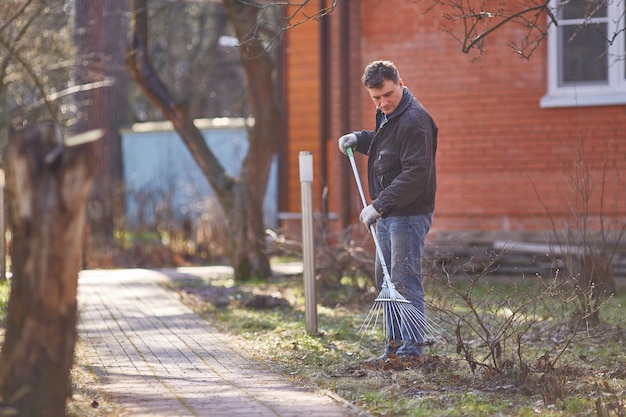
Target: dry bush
(163, 236)
(341, 262)
(520, 335)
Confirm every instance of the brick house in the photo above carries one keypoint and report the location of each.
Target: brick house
(510, 129)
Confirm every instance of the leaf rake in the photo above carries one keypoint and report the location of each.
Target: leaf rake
(399, 316)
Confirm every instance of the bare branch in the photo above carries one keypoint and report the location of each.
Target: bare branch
(69, 91)
(478, 24)
(15, 15)
(19, 35)
(271, 33)
(299, 11)
(33, 75)
(143, 72)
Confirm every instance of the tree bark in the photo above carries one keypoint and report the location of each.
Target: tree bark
(47, 189)
(240, 198)
(100, 38)
(264, 135)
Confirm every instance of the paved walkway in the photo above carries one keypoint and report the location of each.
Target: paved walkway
(156, 358)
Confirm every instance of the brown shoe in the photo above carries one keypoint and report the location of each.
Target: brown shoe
(410, 349)
(390, 351)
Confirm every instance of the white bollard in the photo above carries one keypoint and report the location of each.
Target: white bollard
(308, 243)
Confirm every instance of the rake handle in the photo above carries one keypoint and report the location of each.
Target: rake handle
(379, 251)
(350, 154)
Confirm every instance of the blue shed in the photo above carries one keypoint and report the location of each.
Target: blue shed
(159, 171)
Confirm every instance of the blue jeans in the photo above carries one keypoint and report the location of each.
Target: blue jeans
(401, 241)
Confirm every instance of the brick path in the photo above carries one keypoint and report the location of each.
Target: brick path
(156, 358)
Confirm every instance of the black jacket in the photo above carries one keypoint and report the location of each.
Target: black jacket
(401, 165)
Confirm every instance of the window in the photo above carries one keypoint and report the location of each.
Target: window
(586, 54)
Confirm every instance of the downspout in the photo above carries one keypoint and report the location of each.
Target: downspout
(283, 156)
(325, 106)
(344, 106)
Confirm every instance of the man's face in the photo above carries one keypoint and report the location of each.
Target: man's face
(387, 97)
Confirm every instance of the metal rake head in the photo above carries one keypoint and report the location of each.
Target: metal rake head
(399, 319)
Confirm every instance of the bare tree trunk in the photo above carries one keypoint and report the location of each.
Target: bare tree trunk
(115, 105)
(242, 199)
(47, 189)
(101, 29)
(264, 135)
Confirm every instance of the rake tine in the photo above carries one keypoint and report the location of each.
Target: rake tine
(401, 315)
(415, 319)
(408, 321)
(373, 315)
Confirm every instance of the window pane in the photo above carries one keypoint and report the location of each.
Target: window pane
(583, 54)
(583, 9)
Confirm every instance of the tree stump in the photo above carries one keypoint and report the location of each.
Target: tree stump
(48, 183)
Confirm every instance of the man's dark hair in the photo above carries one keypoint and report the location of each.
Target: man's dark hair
(377, 72)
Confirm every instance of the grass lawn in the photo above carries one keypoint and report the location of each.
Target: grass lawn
(545, 363)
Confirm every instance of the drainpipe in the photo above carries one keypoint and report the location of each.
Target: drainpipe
(325, 105)
(344, 106)
(283, 156)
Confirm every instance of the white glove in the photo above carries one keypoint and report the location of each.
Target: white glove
(368, 216)
(347, 141)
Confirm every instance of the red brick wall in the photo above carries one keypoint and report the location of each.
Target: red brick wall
(501, 159)
(302, 105)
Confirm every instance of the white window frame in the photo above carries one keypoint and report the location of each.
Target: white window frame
(589, 94)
